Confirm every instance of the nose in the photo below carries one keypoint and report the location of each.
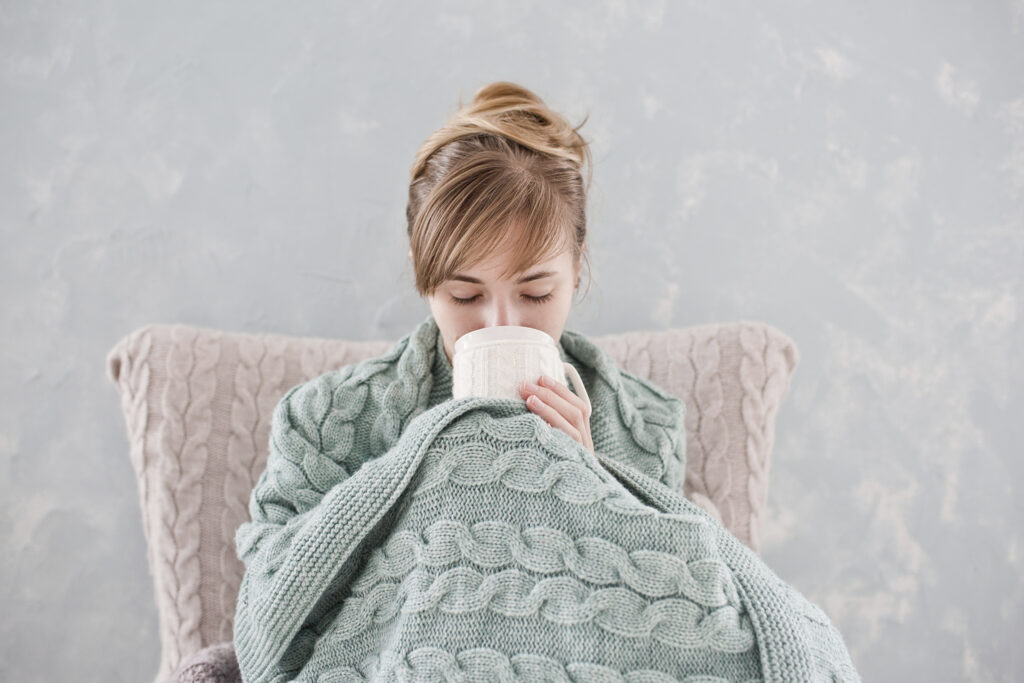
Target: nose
(501, 312)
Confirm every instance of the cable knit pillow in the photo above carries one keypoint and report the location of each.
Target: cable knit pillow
(198, 403)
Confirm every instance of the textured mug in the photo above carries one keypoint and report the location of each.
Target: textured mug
(494, 361)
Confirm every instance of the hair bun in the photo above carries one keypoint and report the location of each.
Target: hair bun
(508, 109)
(504, 94)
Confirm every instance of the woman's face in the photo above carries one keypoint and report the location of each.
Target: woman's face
(539, 302)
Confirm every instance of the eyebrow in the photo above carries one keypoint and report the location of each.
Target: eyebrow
(527, 278)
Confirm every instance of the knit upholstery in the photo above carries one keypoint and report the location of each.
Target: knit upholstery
(397, 535)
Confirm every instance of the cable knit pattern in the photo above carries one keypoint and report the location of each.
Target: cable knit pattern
(256, 381)
(486, 664)
(542, 549)
(164, 383)
(764, 386)
(713, 479)
(318, 602)
(187, 442)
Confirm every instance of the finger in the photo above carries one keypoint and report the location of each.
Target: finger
(563, 392)
(550, 398)
(553, 417)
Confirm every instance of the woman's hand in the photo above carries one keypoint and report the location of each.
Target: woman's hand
(560, 408)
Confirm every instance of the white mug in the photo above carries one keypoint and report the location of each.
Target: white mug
(494, 361)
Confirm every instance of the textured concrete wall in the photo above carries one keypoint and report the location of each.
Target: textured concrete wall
(851, 173)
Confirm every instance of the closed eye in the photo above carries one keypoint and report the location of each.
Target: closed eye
(532, 299)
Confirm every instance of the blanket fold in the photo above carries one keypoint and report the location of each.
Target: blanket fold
(483, 544)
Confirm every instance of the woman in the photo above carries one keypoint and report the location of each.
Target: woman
(501, 186)
(398, 534)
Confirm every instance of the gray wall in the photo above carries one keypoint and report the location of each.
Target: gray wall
(851, 173)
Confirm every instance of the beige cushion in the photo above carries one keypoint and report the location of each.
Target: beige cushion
(198, 403)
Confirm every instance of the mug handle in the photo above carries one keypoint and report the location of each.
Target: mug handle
(577, 383)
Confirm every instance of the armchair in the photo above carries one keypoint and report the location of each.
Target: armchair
(197, 404)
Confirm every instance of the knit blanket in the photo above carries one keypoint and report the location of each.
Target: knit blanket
(480, 543)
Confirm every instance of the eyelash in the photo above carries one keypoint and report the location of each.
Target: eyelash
(533, 299)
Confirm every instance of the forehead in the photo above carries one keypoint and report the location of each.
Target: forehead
(492, 269)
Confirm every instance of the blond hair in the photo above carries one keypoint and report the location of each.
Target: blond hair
(503, 174)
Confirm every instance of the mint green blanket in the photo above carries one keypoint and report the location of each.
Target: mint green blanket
(399, 536)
